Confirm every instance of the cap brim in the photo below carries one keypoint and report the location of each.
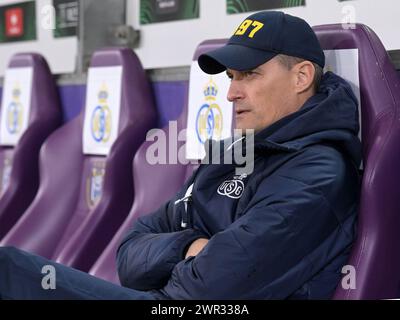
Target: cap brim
(235, 57)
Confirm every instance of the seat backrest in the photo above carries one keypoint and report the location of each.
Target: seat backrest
(84, 195)
(375, 258)
(30, 111)
(157, 183)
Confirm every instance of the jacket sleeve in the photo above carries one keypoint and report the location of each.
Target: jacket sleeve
(149, 252)
(276, 246)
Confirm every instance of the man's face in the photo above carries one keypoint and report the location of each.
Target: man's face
(263, 95)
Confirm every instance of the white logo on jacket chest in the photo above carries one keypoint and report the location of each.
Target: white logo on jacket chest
(232, 188)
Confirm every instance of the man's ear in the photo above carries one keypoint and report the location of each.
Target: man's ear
(304, 73)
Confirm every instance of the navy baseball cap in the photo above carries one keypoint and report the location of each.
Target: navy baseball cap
(259, 38)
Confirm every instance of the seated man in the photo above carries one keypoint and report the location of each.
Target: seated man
(286, 231)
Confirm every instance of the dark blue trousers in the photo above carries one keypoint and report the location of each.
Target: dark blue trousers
(22, 276)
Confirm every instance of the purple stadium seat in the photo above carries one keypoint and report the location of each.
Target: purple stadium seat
(19, 163)
(154, 184)
(62, 223)
(375, 255)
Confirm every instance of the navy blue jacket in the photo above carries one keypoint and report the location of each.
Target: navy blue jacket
(283, 231)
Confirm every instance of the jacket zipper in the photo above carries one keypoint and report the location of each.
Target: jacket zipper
(186, 199)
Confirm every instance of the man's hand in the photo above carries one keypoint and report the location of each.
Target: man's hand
(196, 247)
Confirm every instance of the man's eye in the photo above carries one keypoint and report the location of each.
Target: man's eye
(249, 73)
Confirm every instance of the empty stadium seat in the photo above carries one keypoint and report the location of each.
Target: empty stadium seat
(155, 184)
(30, 112)
(375, 255)
(86, 188)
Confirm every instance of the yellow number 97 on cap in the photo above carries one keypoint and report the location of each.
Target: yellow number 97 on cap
(245, 26)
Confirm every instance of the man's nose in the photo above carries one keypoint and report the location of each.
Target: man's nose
(234, 92)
